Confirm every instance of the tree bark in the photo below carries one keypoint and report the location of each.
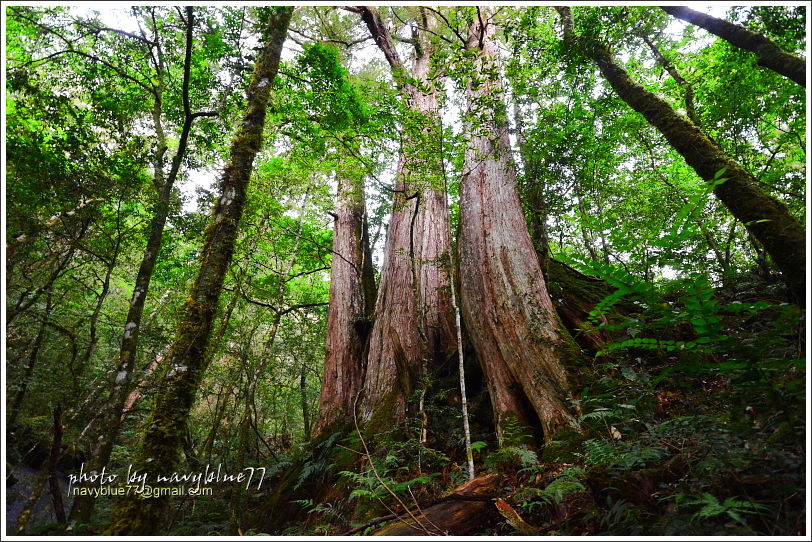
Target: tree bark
(464, 512)
(83, 505)
(769, 54)
(352, 298)
(766, 218)
(159, 453)
(413, 325)
(522, 345)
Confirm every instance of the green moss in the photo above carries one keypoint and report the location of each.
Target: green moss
(384, 415)
(563, 446)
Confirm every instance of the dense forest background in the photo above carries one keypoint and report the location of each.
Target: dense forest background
(456, 270)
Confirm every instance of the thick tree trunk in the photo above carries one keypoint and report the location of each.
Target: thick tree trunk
(168, 421)
(766, 218)
(352, 297)
(522, 345)
(413, 320)
(769, 54)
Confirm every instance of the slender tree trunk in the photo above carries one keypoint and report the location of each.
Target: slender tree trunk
(533, 195)
(769, 54)
(522, 345)
(225, 386)
(766, 218)
(690, 109)
(47, 474)
(137, 392)
(236, 518)
(27, 300)
(352, 298)
(17, 403)
(83, 505)
(94, 317)
(586, 235)
(720, 258)
(466, 428)
(247, 419)
(53, 459)
(413, 325)
(169, 419)
(217, 418)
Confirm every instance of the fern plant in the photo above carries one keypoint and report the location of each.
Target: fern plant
(733, 508)
(565, 484)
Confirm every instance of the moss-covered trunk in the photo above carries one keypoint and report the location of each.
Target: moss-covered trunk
(769, 54)
(413, 320)
(766, 218)
(352, 298)
(110, 427)
(159, 452)
(523, 347)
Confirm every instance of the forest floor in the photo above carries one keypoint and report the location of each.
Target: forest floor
(19, 487)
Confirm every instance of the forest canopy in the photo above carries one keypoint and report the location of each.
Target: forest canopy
(404, 270)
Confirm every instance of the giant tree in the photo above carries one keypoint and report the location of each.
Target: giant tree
(413, 325)
(352, 298)
(523, 347)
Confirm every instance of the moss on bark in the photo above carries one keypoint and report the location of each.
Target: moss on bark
(160, 448)
(766, 218)
(769, 54)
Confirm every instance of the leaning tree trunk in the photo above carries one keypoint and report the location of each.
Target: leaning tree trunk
(48, 473)
(159, 451)
(83, 505)
(352, 297)
(765, 217)
(413, 320)
(523, 347)
(690, 109)
(769, 54)
(33, 356)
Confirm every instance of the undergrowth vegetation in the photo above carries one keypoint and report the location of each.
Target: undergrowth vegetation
(693, 427)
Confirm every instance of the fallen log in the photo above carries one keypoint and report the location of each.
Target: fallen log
(464, 512)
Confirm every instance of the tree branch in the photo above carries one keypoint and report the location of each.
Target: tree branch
(70, 49)
(448, 24)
